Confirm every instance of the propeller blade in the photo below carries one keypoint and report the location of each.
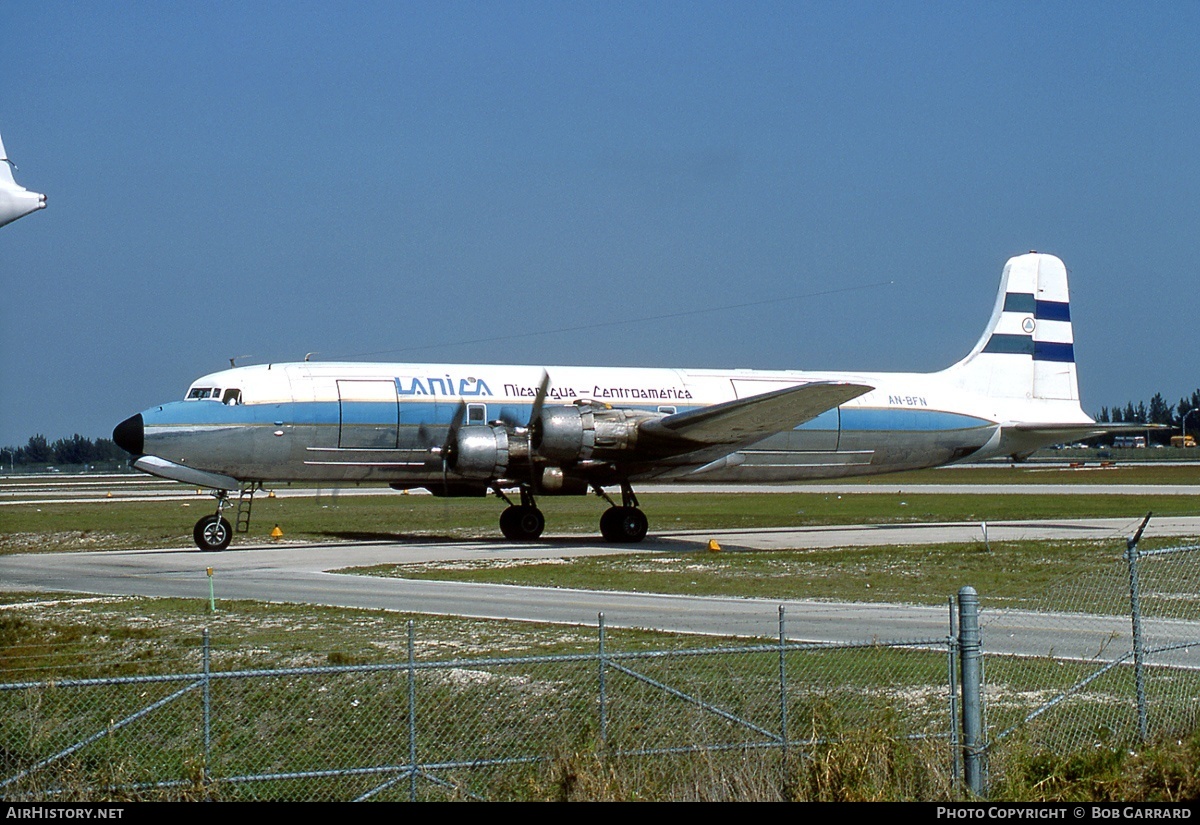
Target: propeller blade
(448, 449)
(535, 424)
(539, 400)
(425, 436)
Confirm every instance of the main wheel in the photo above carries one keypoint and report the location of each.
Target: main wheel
(522, 523)
(212, 533)
(626, 525)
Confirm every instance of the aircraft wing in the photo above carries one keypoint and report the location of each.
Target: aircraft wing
(747, 420)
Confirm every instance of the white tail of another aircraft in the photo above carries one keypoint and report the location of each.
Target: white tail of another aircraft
(15, 200)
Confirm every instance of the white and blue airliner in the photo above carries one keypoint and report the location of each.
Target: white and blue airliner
(532, 431)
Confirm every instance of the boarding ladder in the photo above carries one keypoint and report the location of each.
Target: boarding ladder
(245, 502)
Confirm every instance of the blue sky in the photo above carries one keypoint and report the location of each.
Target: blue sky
(271, 179)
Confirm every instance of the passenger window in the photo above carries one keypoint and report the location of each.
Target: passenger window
(477, 413)
(233, 396)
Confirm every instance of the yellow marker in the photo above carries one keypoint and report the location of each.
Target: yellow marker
(276, 533)
(271, 494)
(109, 494)
(713, 547)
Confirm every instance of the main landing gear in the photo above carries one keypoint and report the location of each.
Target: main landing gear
(521, 522)
(624, 523)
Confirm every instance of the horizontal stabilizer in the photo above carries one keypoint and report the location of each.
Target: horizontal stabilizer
(1021, 440)
(1079, 431)
(754, 418)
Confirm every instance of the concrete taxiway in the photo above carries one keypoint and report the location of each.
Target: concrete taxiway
(306, 573)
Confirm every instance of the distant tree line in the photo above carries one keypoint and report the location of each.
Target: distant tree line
(74, 450)
(1174, 416)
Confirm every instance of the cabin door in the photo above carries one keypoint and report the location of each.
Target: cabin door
(369, 414)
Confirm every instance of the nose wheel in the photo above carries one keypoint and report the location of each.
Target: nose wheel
(212, 533)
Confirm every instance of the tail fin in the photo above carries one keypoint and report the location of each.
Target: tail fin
(1027, 351)
(15, 200)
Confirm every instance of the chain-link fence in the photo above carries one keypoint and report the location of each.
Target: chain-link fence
(1119, 662)
(479, 728)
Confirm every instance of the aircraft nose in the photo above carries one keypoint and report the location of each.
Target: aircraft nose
(130, 435)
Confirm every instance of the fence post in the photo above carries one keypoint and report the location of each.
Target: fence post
(1135, 612)
(603, 692)
(207, 657)
(972, 708)
(412, 716)
(783, 725)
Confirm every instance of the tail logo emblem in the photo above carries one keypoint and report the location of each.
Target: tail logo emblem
(1028, 325)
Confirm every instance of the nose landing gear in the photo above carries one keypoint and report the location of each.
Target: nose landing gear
(212, 532)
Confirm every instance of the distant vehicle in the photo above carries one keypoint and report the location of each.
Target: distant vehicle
(1183, 441)
(1135, 441)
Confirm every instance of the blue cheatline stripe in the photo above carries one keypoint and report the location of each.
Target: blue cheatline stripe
(1019, 302)
(327, 412)
(910, 420)
(1050, 351)
(1010, 344)
(825, 422)
(1052, 311)
(214, 412)
(384, 413)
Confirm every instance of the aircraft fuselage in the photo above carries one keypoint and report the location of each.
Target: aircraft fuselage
(378, 422)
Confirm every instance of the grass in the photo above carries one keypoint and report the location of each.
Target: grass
(1008, 573)
(136, 525)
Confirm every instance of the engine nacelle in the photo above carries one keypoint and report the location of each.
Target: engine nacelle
(584, 431)
(555, 482)
(480, 452)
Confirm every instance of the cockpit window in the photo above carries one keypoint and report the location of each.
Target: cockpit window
(232, 396)
(197, 393)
